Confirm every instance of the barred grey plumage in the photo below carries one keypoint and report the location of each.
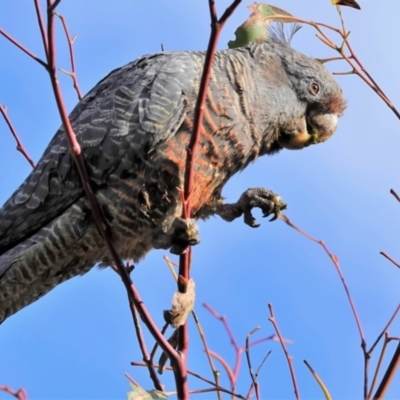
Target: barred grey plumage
(134, 127)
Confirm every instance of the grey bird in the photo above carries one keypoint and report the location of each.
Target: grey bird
(134, 127)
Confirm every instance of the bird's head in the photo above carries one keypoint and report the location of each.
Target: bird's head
(310, 100)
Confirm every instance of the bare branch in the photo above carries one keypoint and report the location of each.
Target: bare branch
(184, 260)
(23, 48)
(252, 375)
(20, 394)
(335, 262)
(228, 369)
(289, 358)
(390, 259)
(397, 197)
(71, 42)
(142, 344)
(140, 364)
(20, 146)
(379, 364)
(43, 32)
(384, 329)
(390, 372)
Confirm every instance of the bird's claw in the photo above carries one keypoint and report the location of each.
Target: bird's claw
(181, 234)
(266, 200)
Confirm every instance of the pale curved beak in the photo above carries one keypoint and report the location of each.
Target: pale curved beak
(317, 129)
(323, 126)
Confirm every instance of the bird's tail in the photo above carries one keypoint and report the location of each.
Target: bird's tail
(57, 252)
(27, 277)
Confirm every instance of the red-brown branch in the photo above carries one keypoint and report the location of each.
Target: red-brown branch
(23, 48)
(289, 358)
(143, 348)
(335, 262)
(20, 394)
(184, 260)
(233, 374)
(43, 33)
(48, 38)
(20, 146)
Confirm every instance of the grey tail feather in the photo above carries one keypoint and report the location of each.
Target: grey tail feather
(25, 276)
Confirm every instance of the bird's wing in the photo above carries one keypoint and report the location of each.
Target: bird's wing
(120, 120)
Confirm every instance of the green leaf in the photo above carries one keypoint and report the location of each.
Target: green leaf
(139, 393)
(319, 380)
(254, 29)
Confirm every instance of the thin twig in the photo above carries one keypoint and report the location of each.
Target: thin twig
(378, 365)
(252, 375)
(142, 344)
(335, 262)
(20, 394)
(361, 71)
(258, 372)
(43, 33)
(20, 146)
(384, 329)
(390, 372)
(390, 259)
(397, 197)
(23, 48)
(238, 349)
(289, 358)
(228, 369)
(141, 364)
(207, 351)
(71, 42)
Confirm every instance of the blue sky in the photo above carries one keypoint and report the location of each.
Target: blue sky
(77, 342)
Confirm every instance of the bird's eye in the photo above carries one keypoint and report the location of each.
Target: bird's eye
(314, 88)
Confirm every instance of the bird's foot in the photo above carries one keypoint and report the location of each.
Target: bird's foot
(182, 234)
(266, 200)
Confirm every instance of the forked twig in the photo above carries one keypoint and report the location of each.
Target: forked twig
(289, 358)
(71, 42)
(335, 262)
(389, 374)
(251, 372)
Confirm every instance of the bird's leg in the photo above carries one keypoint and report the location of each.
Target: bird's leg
(266, 200)
(178, 236)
